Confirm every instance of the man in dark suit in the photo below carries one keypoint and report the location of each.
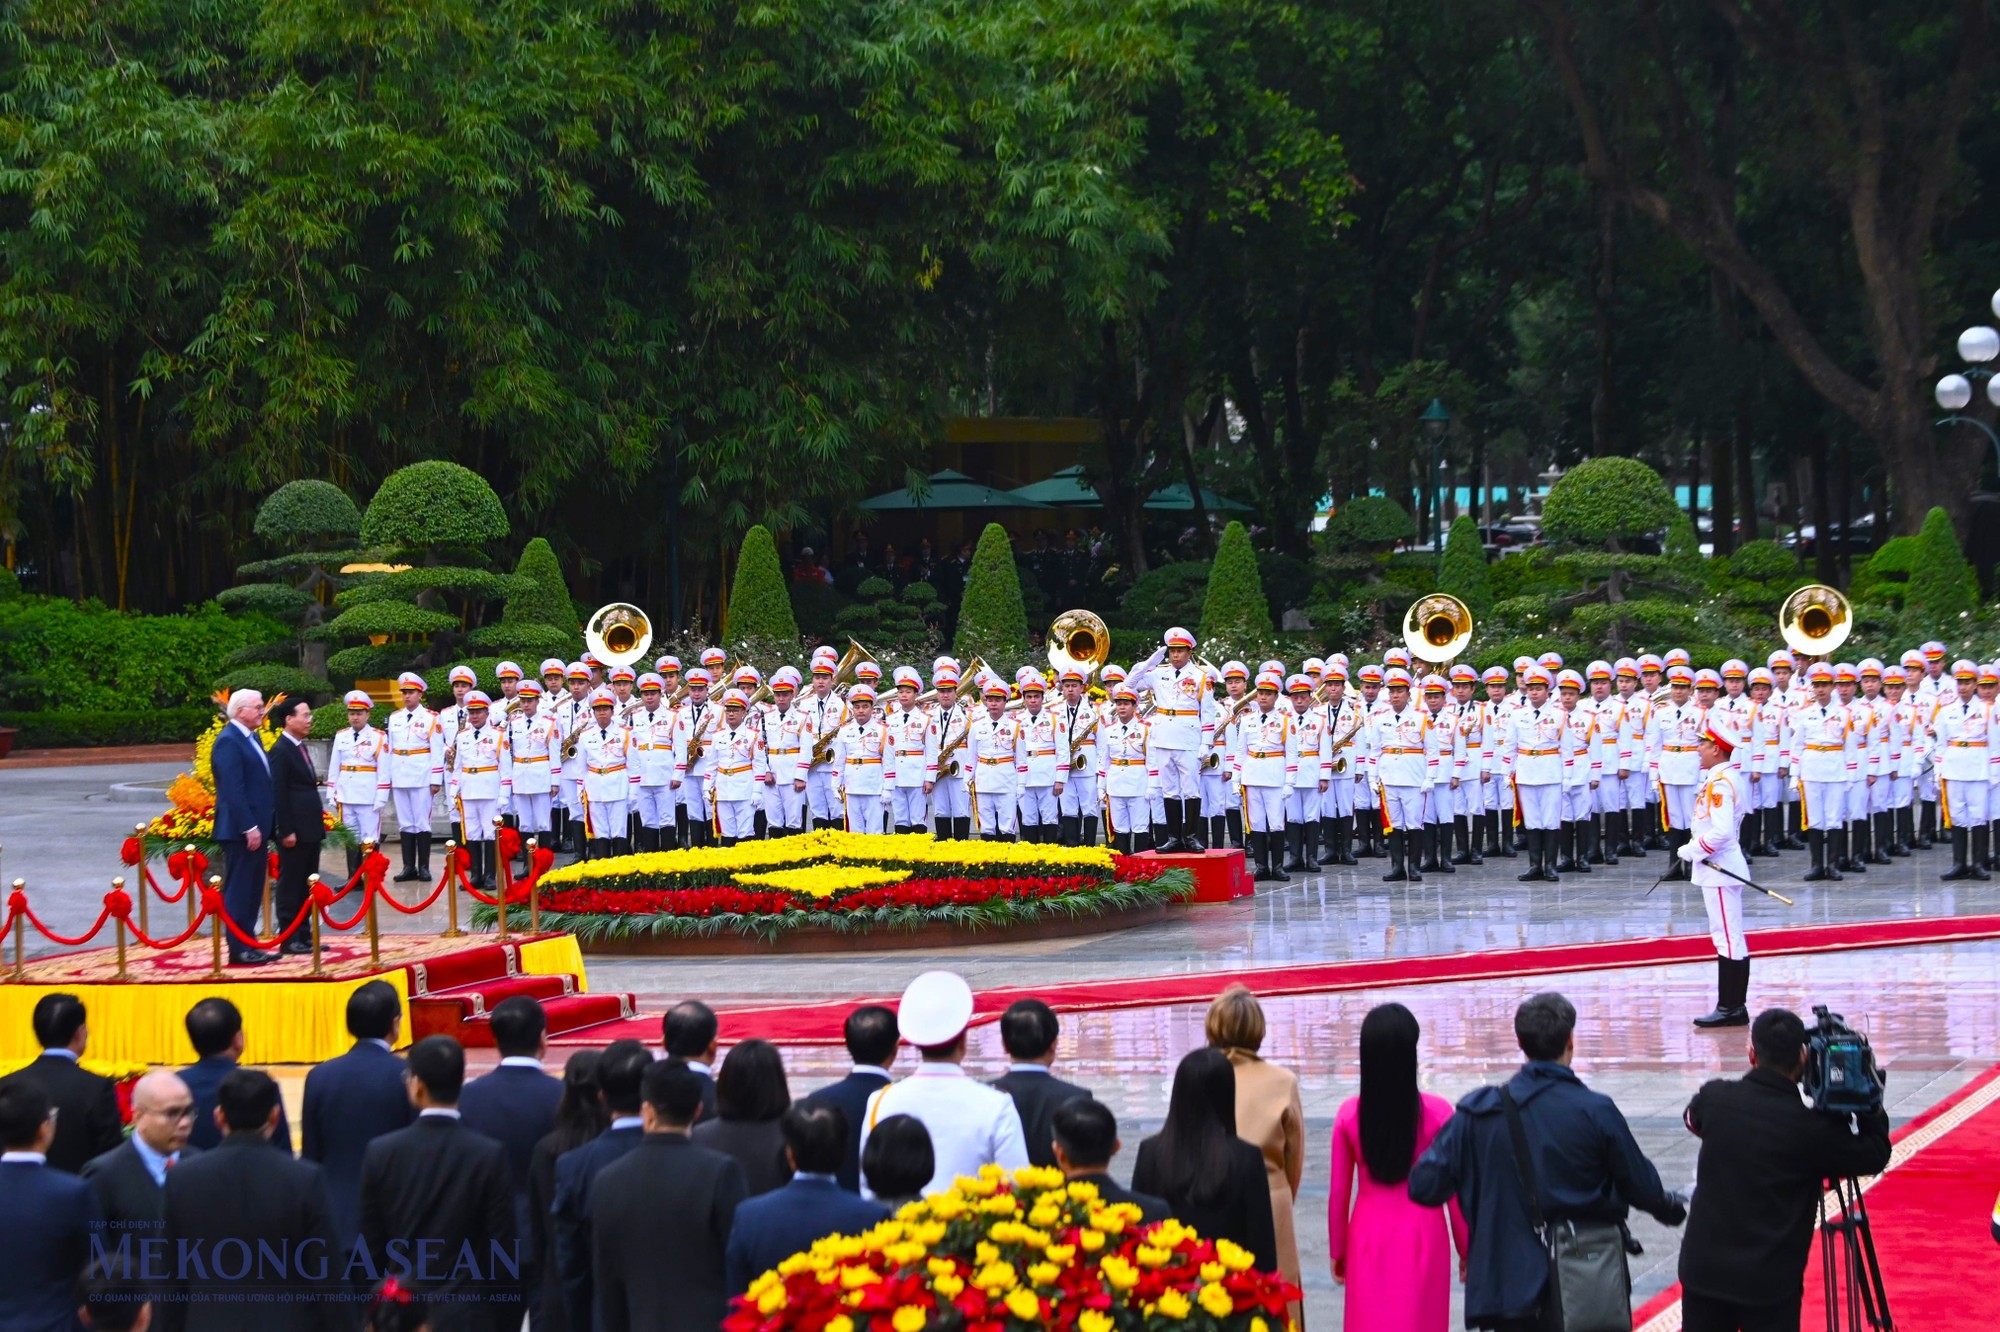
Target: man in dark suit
(515, 1104)
(355, 1098)
(689, 1033)
(46, 1217)
(437, 1182)
(215, 1029)
(621, 1071)
(812, 1205)
(663, 1213)
(1029, 1030)
(870, 1033)
(1765, 1158)
(1086, 1138)
(130, 1181)
(297, 825)
(245, 806)
(87, 1119)
(246, 1205)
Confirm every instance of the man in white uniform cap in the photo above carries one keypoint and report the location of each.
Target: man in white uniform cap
(971, 1124)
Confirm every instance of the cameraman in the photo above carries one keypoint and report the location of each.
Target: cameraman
(1765, 1158)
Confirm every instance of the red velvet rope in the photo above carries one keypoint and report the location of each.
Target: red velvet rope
(49, 934)
(341, 926)
(452, 864)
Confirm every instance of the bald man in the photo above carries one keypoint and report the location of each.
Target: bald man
(130, 1180)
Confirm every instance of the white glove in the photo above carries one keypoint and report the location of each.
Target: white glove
(1688, 852)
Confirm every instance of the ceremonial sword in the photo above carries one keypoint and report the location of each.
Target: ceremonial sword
(1720, 870)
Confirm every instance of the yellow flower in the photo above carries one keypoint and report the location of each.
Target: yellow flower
(1061, 1254)
(1083, 1191)
(1216, 1301)
(1152, 1256)
(1091, 1240)
(1234, 1256)
(985, 1254)
(948, 1286)
(1023, 1305)
(823, 881)
(938, 1267)
(1045, 1216)
(1044, 1274)
(1091, 1320)
(1121, 1274)
(1259, 1325)
(771, 1300)
(1213, 1271)
(947, 1207)
(994, 1277)
(1108, 1221)
(910, 1318)
(840, 1323)
(1174, 1304)
(853, 1278)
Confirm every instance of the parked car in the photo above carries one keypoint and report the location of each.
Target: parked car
(1859, 539)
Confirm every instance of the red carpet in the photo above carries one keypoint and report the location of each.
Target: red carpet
(1929, 1214)
(819, 1023)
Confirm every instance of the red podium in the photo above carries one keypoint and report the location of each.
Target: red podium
(1219, 876)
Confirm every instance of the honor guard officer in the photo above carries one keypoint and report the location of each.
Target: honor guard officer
(533, 746)
(1221, 799)
(508, 673)
(1711, 848)
(1532, 751)
(1936, 687)
(1675, 744)
(609, 777)
(1963, 728)
(1497, 800)
(913, 760)
(358, 776)
(1853, 792)
(741, 770)
(950, 789)
(1873, 825)
(624, 680)
(1077, 802)
(1311, 773)
(862, 753)
(996, 752)
(1048, 763)
(1346, 720)
(785, 750)
(1266, 758)
(552, 696)
(1608, 800)
(451, 721)
(1902, 757)
(477, 786)
(1819, 744)
(694, 761)
(1123, 742)
(1474, 748)
(822, 714)
(1402, 770)
(416, 772)
(573, 715)
(1441, 761)
(654, 728)
(1790, 688)
(1768, 766)
(1179, 687)
(1367, 748)
(1580, 774)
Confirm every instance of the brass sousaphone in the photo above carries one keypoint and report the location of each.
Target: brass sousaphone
(1815, 620)
(618, 634)
(1436, 628)
(1079, 640)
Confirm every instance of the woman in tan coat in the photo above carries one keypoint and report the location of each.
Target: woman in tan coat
(1268, 1115)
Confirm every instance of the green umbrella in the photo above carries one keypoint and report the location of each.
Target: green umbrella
(949, 490)
(1068, 489)
(1175, 498)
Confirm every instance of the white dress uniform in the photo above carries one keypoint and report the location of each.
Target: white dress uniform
(358, 779)
(951, 796)
(694, 770)
(820, 719)
(1531, 749)
(476, 780)
(1079, 799)
(1346, 747)
(1860, 760)
(996, 753)
(1880, 764)
(1819, 757)
(1048, 767)
(1609, 715)
(1769, 751)
(970, 1124)
(740, 768)
(609, 781)
(1716, 816)
(1367, 745)
(532, 744)
(416, 764)
(452, 723)
(1474, 750)
(914, 758)
(571, 713)
(1402, 762)
(786, 749)
(1266, 760)
(861, 753)
(1127, 755)
(1634, 760)
(1441, 761)
(1963, 728)
(653, 754)
(1580, 763)
(1176, 720)
(1314, 767)
(1907, 751)
(1675, 741)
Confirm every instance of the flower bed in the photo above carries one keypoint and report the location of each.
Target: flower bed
(846, 883)
(993, 1254)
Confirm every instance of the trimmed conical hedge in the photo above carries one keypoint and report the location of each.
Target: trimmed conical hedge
(1942, 584)
(760, 606)
(544, 597)
(992, 621)
(1463, 572)
(1234, 610)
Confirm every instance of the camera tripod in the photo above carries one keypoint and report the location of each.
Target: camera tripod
(1848, 1266)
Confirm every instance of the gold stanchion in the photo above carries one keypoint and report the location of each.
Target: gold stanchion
(188, 891)
(504, 876)
(374, 929)
(20, 936)
(451, 930)
(534, 895)
(139, 832)
(215, 934)
(312, 896)
(118, 886)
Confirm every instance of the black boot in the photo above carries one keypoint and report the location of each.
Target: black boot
(1589, 850)
(1499, 837)
(424, 857)
(1761, 824)
(1295, 838)
(1264, 847)
(1977, 862)
(1167, 838)
(1902, 823)
(1308, 848)
(1218, 832)
(1883, 837)
(1606, 832)
(1470, 829)
(1816, 843)
(1192, 841)
(1634, 840)
(1368, 834)
(1343, 840)
(1853, 846)
(1959, 844)
(1732, 985)
(1794, 828)
(1232, 822)
(409, 872)
(1927, 826)
(1090, 830)
(1565, 849)
(1440, 853)
(1534, 870)
(1398, 867)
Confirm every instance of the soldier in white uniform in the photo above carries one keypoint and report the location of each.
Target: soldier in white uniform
(1607, 801)
(1674, 740)
(1790, 690)
(1531, 749)
(861, 754)
(996, 753)
(1077, 720)
(357, 775)
(1221, 806)
(1310, 777)
(1368, 830)
(1902, 757)
(1963, 728)
(1768, 765)
(1346, 720)
(822, 713)
(1122, 743)
(452, 721)
(609, 779)
(1499, 796)
(1848, 840)
(1441, 757)
(1873, 824)
(653, 729)
(1713, 845)
(785, 750)
(1402, 770)
(1468, 799)
(741, 770)
(551, 673)
(533, 742)
(913, 760)
(1048, 764)
(572, 715)
(1263, 764)
(416, 772)
(1180, 688)
(477, 786)
(694, 761)
(1819, 757)
(1580, 774)
(950, 789)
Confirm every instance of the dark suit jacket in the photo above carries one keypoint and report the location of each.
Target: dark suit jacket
(575, 1217)
(244, 798)
(1764, 1155)
(663, 1214)
(1109, 1189)
(1036, 1096)
(202, 1078)
(246, 1193)
(294, 795)
(350, 1101)
(1242, 1216)
(46, 1220)
(515, 1107)
(786, 1221)
(87, 1122)
(126, 1193)
(438, 1181)
(851, 1095)
(757, 1145)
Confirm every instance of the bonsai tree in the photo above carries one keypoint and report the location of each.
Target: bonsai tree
(1599, 507)
(992, 621)
(1355, 558)
(539, 619)
(1942, 584)
(1463, 572)
(886, 620)
(426, 532)
(1234, 612)
(759, 615)
(314, 525)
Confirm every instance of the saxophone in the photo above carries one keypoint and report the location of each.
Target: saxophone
(951, 769)
(1340, 759)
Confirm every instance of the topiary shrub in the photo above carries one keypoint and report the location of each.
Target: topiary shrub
(1370, 522)
(885, 620)
(992, 621)
(312, 525)
(1463, 572)
(1886, 575)
(542, 596)
(432, 504)
(1942, 584)
(307, 509)
(1233, 609)
(1607, 500)
(760, 606)
(1763, 561)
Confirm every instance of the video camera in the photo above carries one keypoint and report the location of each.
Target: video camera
(1841, 1077)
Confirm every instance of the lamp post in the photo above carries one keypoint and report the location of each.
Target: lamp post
(1436, 420)
(1978, 346)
